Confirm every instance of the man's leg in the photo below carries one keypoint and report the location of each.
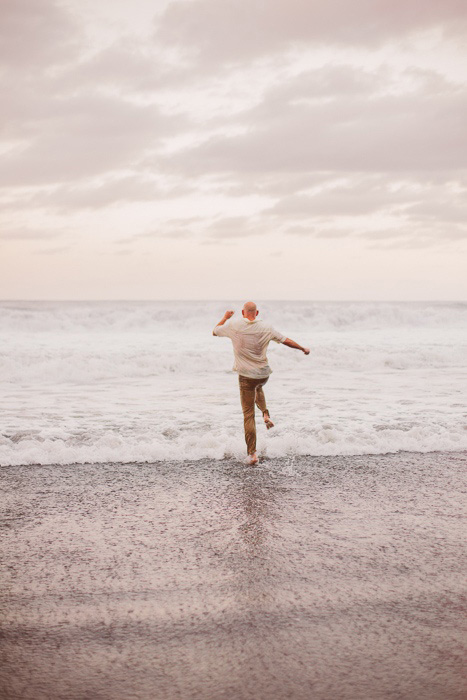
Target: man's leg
(247, 398)
(261, 403)
(260, 398)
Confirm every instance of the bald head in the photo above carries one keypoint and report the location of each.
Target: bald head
(249, 310)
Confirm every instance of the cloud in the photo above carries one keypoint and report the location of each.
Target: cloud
(124, 66)
(85, 136)
(65, 116)
(232, 227)
(114, 190)
(332, 81)
(53, 251)
(24, 233)
(441, 208)
(404, 235)
(292, 132)
(123, 251)
(206, 228)
(376, 207)
(360, 197)
(410, 237)
(235, 31)
(363, 195)
(256, 119)
(179, 227)
(36, 34)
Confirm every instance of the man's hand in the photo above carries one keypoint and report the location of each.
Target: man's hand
(292, 344)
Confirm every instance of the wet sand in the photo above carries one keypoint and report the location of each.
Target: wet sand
(306, 578)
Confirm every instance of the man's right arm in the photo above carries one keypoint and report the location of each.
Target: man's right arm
(292, 344)
(225, 317)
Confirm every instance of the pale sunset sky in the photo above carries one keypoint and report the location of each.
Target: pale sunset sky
(195, 149)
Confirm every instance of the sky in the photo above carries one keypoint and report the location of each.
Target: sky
(233, 149)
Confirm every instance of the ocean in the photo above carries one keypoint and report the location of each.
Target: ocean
(143, 559)
(88, 382)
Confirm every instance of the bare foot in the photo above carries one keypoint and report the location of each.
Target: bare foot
(252, 459)
(268, 422)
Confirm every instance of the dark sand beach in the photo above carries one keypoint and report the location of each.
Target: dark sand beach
(302, 578)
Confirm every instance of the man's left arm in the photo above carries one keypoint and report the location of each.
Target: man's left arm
(279, 338)
(292, 344)
(225, 317)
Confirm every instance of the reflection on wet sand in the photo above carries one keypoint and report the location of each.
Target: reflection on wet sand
(255, 499)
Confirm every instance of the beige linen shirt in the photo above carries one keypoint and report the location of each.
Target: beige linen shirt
(250, 340)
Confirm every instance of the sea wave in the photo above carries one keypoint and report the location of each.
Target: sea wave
(88, 362)
(130, 381)
(109, 446)
(105, 317)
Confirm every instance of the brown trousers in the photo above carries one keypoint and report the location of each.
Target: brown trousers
(251, 392)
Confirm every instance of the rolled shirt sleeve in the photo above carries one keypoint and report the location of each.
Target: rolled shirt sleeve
(222, 331)
(276, 336)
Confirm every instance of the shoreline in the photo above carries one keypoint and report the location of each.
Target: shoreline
(322, 577)
(263, 460)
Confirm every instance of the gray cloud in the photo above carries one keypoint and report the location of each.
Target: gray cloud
(365, 195)
(84, 136)
(176, 228)
(416, 131)
(89, 129)
(124, 66)
(241, 30)
(123, 251)
(303, 230)
(404, 236)
(207, 228)
(334, 81)
(165, 231)
(231, 227)
(59, 126)
(440, 208)
(412, 238)
(35, 34)
(114, 190)
(25, 233)
(433, 211)
(53, 251)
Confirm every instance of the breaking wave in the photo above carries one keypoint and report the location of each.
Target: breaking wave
(40, 317)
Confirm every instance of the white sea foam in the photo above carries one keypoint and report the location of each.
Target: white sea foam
(105, 317)
(132, 381)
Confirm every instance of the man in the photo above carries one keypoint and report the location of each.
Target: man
(250, 338)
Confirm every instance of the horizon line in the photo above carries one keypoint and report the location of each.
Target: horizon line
(230, 299)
